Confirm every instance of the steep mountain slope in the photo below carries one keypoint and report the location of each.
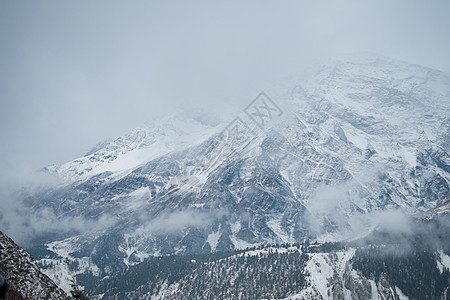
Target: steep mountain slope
(379, 130)
(23, 275)
(356, 139)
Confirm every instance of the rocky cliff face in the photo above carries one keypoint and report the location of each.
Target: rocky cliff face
(24, 277)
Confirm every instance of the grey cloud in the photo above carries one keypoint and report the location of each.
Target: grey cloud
(180, 219)
(75, 73)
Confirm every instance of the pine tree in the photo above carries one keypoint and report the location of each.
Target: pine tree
(76, 292)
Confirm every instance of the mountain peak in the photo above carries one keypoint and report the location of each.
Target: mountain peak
(151, 140)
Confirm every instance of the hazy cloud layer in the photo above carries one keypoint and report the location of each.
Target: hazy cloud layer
(75, 73)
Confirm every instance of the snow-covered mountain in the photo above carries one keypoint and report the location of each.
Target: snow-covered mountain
(356, 139)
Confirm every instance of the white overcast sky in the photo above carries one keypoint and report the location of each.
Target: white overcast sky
(73, 73)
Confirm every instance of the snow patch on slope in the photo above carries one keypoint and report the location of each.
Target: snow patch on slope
(321, 268)
(443, 261)
(59, 270)
(213, 240)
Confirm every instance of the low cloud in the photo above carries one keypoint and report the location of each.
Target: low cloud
(24, 223)
(341, 210)
(176, 221)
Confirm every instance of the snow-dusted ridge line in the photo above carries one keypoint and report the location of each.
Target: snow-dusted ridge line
(126, 153)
